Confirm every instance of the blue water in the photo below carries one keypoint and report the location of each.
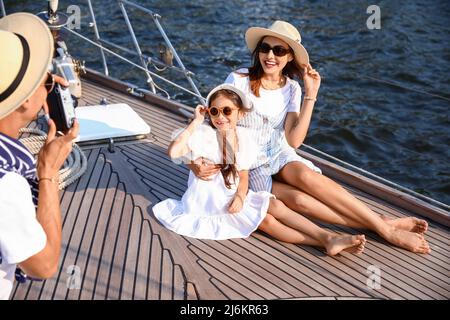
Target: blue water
(398, 132)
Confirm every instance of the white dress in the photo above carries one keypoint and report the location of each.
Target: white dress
(202, 212)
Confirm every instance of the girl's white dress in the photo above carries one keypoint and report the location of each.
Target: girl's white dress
(202, 212)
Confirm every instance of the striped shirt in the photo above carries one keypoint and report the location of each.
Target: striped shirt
(15, 157)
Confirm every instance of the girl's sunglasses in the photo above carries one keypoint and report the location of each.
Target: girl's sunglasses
(226, 111)
(279, 51)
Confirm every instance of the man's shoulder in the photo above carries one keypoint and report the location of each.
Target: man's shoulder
(12, 181)
(15, 191)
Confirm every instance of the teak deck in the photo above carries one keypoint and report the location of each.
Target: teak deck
(121, 252)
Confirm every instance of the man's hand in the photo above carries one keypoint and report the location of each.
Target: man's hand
(55, 151)
(61, 81)
(204, 168)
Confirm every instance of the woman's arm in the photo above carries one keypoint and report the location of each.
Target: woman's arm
(179, 147)
(203, 168)
(297, 123)
(241, 193)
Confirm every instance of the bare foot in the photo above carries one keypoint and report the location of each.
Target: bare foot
(354, 244)
(357, 249)
(411, 224)
(411, 241)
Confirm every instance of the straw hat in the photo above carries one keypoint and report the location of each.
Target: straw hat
(247, 104)
(282, 30)
(25, 57)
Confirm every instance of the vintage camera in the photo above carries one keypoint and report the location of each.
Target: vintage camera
(62, 107)
(63, 100)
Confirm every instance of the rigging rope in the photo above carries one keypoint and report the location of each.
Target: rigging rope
(74, 166)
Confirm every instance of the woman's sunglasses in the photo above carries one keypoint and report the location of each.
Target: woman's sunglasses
(49, 82)
(279, 51)
(226, 111)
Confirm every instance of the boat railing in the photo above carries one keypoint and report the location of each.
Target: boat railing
(145, 61)
(376, 178)
(2, 7)
(104, 46)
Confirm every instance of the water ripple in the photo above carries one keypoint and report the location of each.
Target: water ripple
(399, 134)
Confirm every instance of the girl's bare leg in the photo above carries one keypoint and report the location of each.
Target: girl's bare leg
(309, 206)
(281, 232)
(332, 242)
(337, 198)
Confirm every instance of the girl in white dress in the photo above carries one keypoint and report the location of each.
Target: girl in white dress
(222, 207)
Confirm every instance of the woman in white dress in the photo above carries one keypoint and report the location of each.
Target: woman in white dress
(280, 123)
(222, 207)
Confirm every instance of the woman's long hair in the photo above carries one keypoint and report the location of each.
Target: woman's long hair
(228, 167)
(256, 71)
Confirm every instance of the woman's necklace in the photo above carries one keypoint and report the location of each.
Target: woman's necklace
(273, 85)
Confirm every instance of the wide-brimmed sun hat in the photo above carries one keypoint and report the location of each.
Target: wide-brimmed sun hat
(282, 30)
(25, 57)
(247, 104)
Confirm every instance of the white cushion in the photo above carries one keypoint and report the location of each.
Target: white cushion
(109, 121)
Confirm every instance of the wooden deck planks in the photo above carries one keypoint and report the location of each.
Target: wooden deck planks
(133, 253)
(123, 253)
(116, 273)
(176, 190)
(155, 267)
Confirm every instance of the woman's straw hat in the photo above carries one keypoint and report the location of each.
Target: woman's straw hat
(25, 58)
(282, 30)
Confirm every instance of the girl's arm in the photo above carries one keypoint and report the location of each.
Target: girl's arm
(179, 147)
(242, 188)
(241, 193)
(297, 123)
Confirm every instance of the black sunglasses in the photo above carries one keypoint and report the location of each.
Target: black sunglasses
(279, 51)
(226, 111)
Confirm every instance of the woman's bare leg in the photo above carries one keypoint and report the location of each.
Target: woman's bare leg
(309, 206)
(332, 242)
(412, 224)
(334, 196)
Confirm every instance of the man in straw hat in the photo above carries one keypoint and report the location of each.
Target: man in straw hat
(30, 217)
